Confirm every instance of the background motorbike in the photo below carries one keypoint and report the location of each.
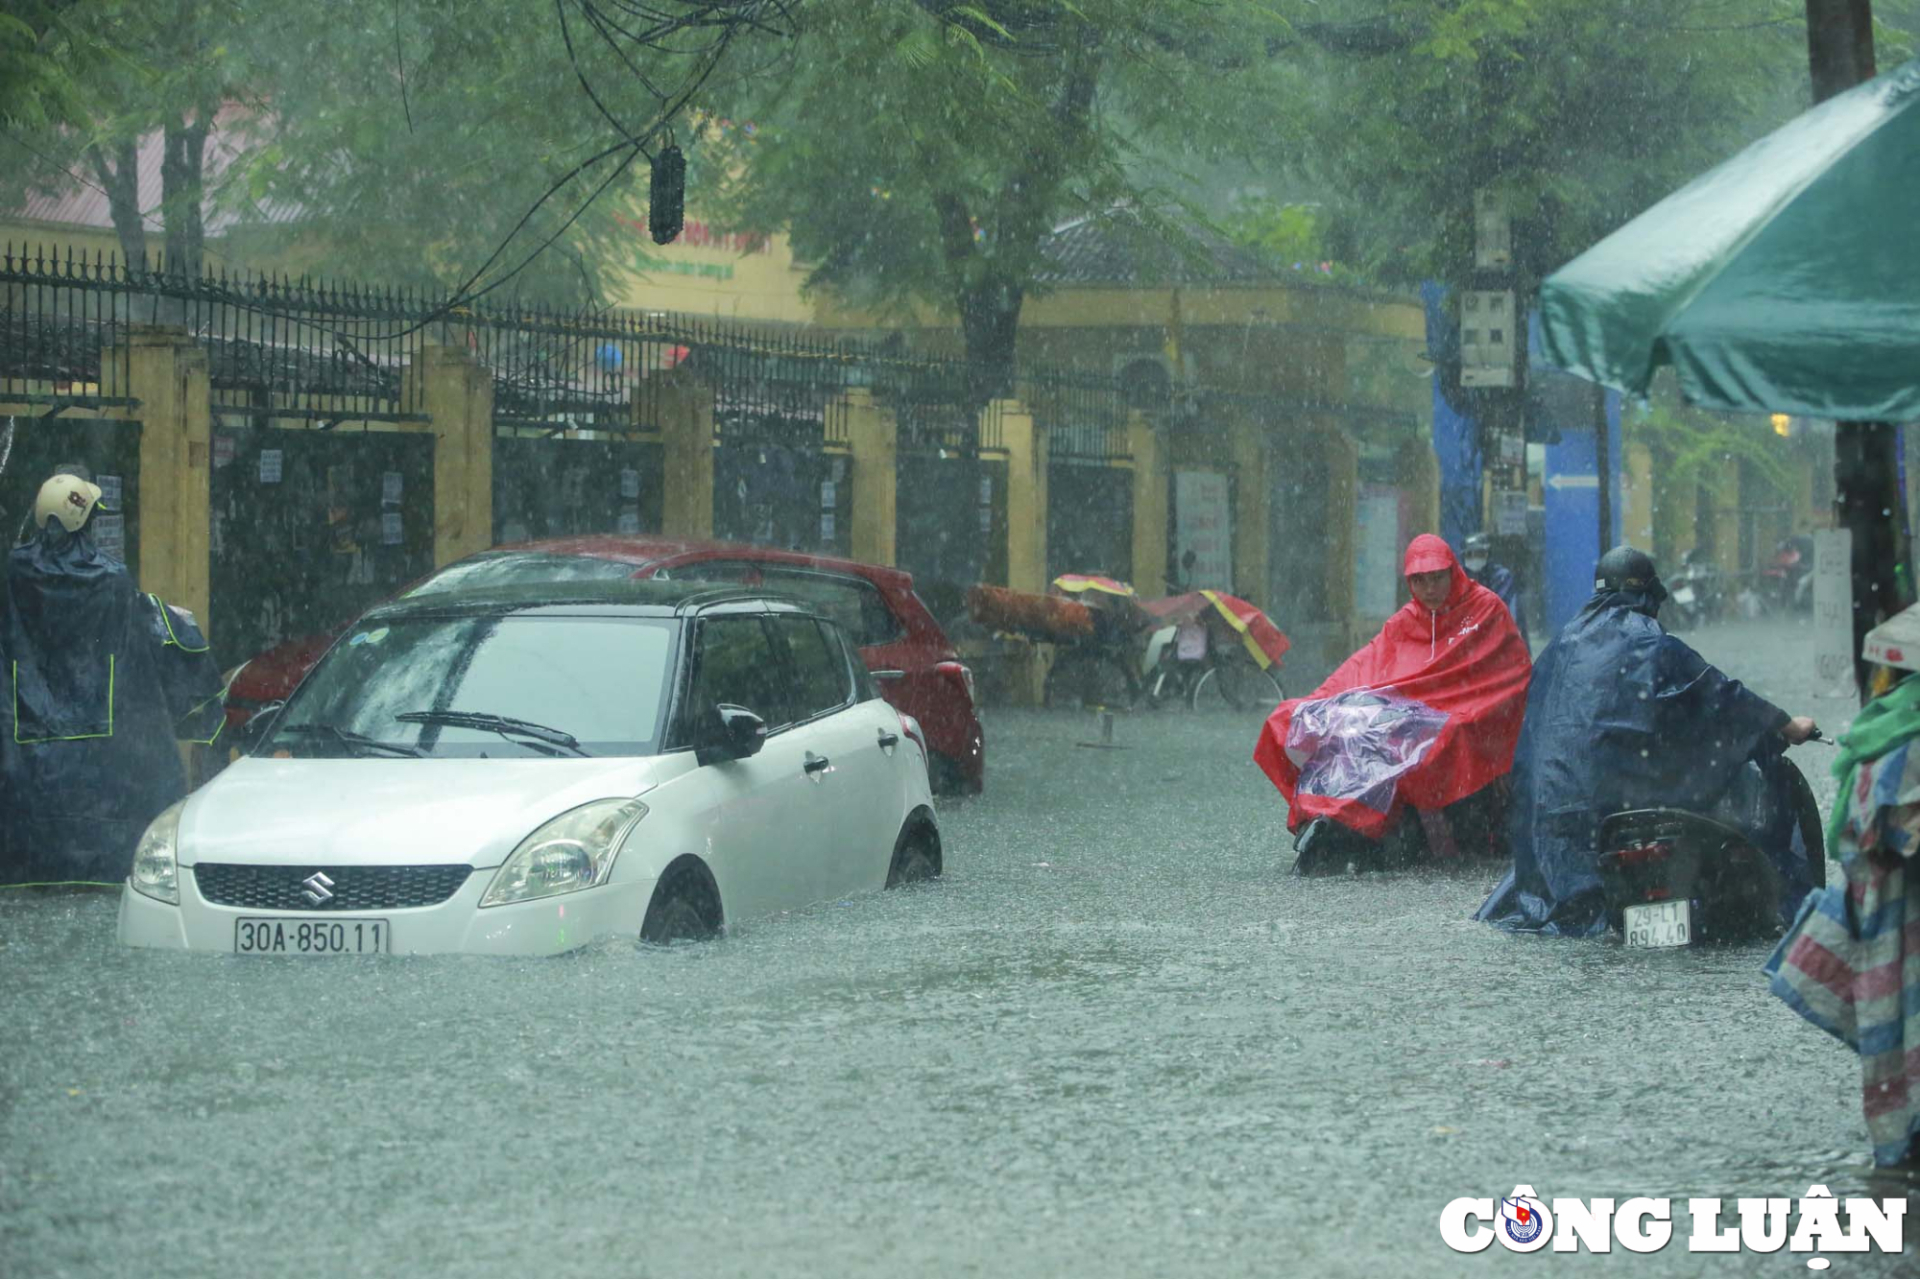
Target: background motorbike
(1786, 585)
(1698, 594)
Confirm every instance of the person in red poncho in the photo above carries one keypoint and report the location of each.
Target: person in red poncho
(1425, 717)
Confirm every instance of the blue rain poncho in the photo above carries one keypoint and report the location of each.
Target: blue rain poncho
(1621, 715)
(101, 680)
(1499, 579)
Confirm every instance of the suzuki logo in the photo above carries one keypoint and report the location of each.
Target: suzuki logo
(317, 885)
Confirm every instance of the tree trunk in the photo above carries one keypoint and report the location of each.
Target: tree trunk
(182, 195)
(1839, 45)
(182, 162)
(121, 179)
(1865, 470)
(990, 323)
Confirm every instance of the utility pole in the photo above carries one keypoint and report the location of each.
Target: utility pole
(1866, 465)
(1603, 466)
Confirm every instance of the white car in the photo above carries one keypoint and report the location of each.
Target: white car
(525, 770)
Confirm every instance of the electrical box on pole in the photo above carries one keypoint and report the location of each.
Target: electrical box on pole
(1492, 233)
(1487, 325)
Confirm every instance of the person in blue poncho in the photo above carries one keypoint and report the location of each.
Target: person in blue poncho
(101, 679)
(1476, 556)
(1622, 715)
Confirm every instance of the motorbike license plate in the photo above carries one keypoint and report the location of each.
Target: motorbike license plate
(1659, 924)
(310, 936)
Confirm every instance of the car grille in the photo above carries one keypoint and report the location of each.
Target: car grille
(353, 887)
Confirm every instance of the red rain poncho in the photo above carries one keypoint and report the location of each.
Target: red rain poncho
(1467, 660)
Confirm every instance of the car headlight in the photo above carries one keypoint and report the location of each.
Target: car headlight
(156, 871)
(573, 851)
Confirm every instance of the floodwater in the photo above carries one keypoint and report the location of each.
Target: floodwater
(1118, 1040)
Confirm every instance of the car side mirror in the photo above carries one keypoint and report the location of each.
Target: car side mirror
(260, 723)
(736, 733)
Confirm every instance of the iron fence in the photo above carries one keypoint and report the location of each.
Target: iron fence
(325, 351)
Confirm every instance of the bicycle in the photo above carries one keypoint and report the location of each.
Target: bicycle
(1205, 673)
(1096, 672)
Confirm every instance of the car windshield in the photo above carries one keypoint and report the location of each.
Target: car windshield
(493, 686)
(514, 568)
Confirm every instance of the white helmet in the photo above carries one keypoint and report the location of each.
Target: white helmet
(66, 498)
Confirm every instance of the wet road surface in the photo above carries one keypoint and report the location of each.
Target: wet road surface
(1118, 1040)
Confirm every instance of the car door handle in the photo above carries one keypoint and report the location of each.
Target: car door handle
(888, 740)
(816, 764)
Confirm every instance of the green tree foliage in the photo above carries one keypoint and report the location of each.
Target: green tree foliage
(922, 153)
(407, 142)
(1580, 113)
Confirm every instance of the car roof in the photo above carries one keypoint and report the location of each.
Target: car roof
(643, 550)
(644, 598)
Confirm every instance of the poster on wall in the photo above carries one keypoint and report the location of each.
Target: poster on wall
(1203, 525)
(1377, 551)
(1833, 615)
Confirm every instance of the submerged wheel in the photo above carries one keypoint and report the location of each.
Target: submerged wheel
(1087, 677)
(685, 906)
(916, 858)
(1237, 686)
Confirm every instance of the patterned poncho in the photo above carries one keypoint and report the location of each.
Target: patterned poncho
(1851, 962)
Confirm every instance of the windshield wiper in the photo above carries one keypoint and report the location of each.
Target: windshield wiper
(539, 736)
(354, 742)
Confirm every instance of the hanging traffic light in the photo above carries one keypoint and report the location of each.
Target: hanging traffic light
(667, 195)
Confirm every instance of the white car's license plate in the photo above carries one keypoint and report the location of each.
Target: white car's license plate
(1659, 924)
(310, 936)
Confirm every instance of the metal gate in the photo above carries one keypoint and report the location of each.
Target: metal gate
(560, 487)
(1089, 519)
(103, 450)
(778, 494)
(311, 528)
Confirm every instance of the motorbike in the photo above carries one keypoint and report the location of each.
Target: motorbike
(1673, 877)
(1698, 595)
(1786, 585)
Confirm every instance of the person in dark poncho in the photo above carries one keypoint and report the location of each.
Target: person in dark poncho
(101, 679)
(1622, 715)
(1476, 556)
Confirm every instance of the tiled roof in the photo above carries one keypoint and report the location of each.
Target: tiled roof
(1118, 249)
(70, 201)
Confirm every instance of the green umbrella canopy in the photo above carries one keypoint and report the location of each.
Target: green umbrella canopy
(1787, 280)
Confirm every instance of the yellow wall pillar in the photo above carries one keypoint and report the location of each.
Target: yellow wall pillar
(1723, 495)
(1418, 473)
(1343, 495)
(456, 393)
(1026, 444)
(683, 409)
(167, 372)
(1639, 529)
(1251, 525)
(1148, 448)
(872, 437)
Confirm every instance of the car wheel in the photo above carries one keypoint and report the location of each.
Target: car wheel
(916, 858)
(685, 907)
(946, 777)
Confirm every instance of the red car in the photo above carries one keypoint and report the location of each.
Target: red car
(916, 668)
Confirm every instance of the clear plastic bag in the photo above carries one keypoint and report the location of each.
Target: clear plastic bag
(1356, 745)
